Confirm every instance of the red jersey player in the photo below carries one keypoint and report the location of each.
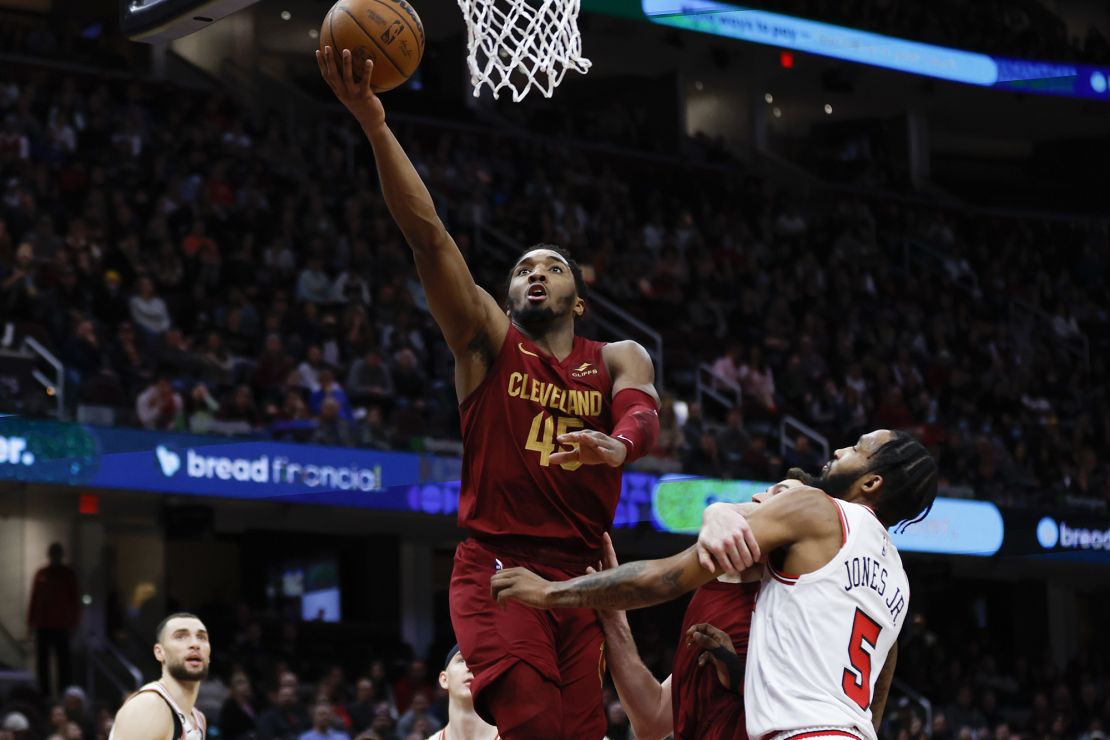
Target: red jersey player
(548, 419)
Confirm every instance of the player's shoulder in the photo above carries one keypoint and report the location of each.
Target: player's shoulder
(806, 507)
(625, 349)
(144, 715)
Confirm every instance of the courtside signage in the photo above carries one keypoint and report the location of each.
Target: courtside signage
(1067, 536)
(953, 527)
(130, 459)
(877, 50)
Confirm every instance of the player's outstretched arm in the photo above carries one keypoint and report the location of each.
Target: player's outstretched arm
(630, 586)
(472, 322)
(882, 687)
(145, 717)
(646, 701)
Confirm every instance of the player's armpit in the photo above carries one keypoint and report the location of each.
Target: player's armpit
(145, 717)
(882, 687)
(633, 585)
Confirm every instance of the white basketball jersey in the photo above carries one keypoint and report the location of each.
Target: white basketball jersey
(194, 726)
(819, 641)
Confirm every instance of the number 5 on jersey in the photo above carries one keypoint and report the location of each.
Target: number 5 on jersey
(857, 679)
(544, 432)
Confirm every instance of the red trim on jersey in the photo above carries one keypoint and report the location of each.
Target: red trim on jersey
(818, 733)
(785, 578)
(845, 530)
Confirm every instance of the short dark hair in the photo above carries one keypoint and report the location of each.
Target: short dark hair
(164, 622)
(575, 270)
(909, 480)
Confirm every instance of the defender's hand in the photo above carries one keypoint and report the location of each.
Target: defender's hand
(719, 649)
(359, 97)
(590, 448)
(726, 542)
(520, 584)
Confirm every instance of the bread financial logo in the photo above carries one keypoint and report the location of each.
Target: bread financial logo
(586, 368)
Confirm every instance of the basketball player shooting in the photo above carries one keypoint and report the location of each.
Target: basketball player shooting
(548, 420)
(834, 596)
(166, 709)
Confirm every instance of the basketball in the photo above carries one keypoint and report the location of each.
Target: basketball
(387, 32)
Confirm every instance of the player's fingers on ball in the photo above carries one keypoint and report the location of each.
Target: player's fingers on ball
(367, 73)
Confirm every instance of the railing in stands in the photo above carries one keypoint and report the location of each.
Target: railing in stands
(1028, 321)
(55, 387)
(717, 387)
(14, 650)
(786, 440)
(918, 699)
(105, 660)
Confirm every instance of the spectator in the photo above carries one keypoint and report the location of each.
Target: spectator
(286, 719)
(413, 682)
(726, 369)
(418, 711)
(369, 380)
(733, 443)
(321, 725)
(373, 432)
(239, 409)
(331, 427)
(758, 381)
(202, 410)
(148, 310)
(109, 303)
(313, 284)
(329, 388)
(19, 291)
(273, 366)
(52, 616)
(309, 370)
(361, 710)
(160, 406)
(409, 379)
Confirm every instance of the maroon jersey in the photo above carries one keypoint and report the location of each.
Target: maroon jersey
(702, 707)
(509, 426)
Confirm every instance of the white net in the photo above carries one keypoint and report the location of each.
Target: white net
(522, 44)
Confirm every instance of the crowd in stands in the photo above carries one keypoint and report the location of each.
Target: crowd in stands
(1017, 28)
(196, 268)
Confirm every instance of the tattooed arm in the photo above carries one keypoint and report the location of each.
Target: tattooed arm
(629, 586)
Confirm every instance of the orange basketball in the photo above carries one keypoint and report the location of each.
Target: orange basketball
(388, 32)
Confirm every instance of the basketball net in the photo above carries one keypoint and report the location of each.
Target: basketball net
(522, 44)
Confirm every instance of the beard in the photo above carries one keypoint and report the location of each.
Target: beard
(182, 672)
(834, 484)
(536, 320)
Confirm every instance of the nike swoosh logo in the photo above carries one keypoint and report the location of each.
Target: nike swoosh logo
(520, 346)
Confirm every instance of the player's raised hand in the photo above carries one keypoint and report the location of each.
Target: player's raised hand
(337, 71)
(726, 542)
(720, 651)
(590, 448)
(520, 584)
(608, 562)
